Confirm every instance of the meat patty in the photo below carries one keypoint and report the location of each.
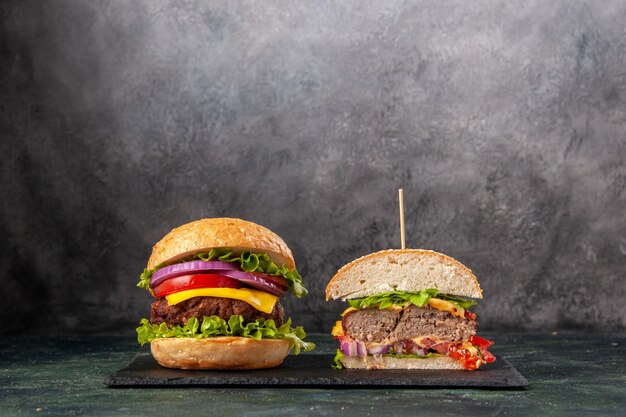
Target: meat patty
(370, 324)
(178, 314)
(419, 322)
(373, 325)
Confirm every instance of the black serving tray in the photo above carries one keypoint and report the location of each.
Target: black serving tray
(315, 371)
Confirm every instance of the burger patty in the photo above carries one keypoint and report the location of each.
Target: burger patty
(178, 314)
(373, 325)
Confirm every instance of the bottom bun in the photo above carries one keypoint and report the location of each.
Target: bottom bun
(389, 362)
(219, 352)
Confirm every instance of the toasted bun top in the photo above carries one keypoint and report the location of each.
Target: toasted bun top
(236, 234)
(402, 270)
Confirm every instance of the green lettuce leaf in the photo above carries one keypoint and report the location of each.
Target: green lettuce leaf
(144, 278)
(400, 298)
(215, 326)
(461, 302)
(338, 357)
(412, 355)
(249, 262)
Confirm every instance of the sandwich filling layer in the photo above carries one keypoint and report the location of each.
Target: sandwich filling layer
(221, 293)
(420, 327)
(392, 325)
(179, 314)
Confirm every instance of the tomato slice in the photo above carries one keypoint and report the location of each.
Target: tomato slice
(463, 355)
(487, 356)
(480, 342)
(188, 282)
(483, 344)
(445, 348)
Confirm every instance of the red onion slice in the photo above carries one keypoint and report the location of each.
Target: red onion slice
(379, 349)
(352, 348)
(187, 268)
(361, 350)
(261, 282)
(348, 348)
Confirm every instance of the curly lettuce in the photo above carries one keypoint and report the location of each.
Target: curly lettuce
(249, 262)
(400, 298)
(215, 326)
(338, 364)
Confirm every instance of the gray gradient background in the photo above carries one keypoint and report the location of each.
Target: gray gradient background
(504, 121)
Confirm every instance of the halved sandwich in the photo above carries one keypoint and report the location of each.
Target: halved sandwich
(409, 309)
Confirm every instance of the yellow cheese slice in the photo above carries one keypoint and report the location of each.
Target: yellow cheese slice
(347, 310)
(391, 307)
(436, 303)
(260, 300)
(337, 329)
(444, 305)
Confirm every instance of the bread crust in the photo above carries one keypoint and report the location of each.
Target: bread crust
(389, 362)
(357, 270)
(236, 234)
(222, 352)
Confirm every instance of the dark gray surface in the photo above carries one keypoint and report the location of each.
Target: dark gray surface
(505, 123)
(573, 374)
(314, 371)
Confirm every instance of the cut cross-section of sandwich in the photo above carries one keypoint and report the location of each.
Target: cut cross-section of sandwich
(409, 309)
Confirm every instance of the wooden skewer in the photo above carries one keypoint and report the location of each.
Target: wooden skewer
(401, 200)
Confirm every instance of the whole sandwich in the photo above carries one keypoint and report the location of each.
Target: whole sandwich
(409, 309)
(217, 284)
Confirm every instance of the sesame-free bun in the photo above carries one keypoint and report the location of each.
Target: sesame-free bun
(222, 352)
(402, 270)
(206, 234)
(389, 362)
